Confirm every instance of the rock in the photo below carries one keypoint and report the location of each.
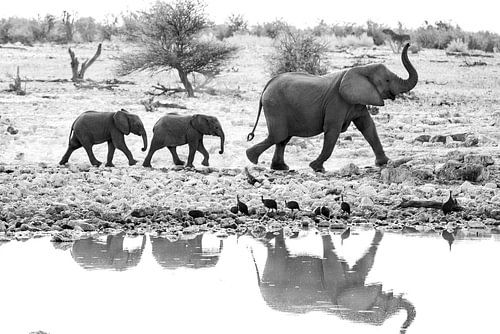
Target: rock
(459, 136)
(454, 170)
(466, 187)
(3, 227)
(490, 185)
(366, 203)
(423, 173)
(479, 159)
(423, 138)
(475, 224)
(367, 191)
(349, 170)
(438, 139)
(471, 141)
(63, 236)
(395, 175)
(455, 155)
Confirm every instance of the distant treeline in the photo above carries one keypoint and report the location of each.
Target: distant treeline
(68, 28)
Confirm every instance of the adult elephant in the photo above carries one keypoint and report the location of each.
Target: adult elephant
(300, 284)
(187, 253)
(92, 253)
(304, 105)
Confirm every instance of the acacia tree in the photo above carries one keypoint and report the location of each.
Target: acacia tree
(170, 39)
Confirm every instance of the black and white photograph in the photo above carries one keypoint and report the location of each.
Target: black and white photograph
(264, 166)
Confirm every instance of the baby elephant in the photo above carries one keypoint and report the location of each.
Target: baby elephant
(173, 130)
(94, 127)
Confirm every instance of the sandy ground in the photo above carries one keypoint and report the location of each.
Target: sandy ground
(450, 98)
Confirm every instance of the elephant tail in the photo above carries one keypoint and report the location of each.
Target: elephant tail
(71, 131)
(251, 134)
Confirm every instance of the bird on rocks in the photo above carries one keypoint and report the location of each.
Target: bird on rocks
(292, 205)
(242, 207)
(344, 206)
(325, 211)
(448, 206)
(196, 213)
(270, 204)
(345, 235)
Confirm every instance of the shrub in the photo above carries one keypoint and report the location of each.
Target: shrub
(298, 52)
(237, 23)
(86, 27)
(374, 30)
(457, 45)
(170, 39)
(269, 29)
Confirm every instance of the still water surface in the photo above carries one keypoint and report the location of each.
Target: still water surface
(369, 282)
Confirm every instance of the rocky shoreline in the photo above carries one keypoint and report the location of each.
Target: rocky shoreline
(70, 202)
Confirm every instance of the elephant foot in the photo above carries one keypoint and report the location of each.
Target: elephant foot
(252, 156)
(132, 162)
(179, 163)
(205, 163)
(109, 164)
(379, 162)
(317, 167)
(62, 162)
(96, 163)
(279, 166)
(189, 166)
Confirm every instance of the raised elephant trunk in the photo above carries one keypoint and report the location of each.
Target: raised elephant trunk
(408, 84)
(410, 314)
(222, 138)
(145, 141)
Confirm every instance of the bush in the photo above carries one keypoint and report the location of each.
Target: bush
(457, 45)
(86, 27)
(374, 30)
(483, 40)
(16, 29)
(298, 52)
(269, 29)
(437, 36)
(170, 38)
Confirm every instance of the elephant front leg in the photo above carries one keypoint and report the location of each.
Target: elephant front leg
(111, 153)
(330, 139)
(203, 151)
(119, 143)
(367, 127)
(175, 157)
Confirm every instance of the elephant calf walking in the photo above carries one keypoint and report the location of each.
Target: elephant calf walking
(173, 130)
(93, 127)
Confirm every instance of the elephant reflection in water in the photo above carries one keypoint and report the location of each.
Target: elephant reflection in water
(299, 284)
(184, 253)
(92, 253)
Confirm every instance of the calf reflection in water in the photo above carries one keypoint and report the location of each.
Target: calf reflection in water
(300, 284)
(185, 252)
(114, 252)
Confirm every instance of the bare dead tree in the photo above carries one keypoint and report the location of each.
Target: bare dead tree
(17, 85)
(69, 24)
(78, 74)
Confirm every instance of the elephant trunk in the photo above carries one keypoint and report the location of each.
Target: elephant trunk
(145, 141)
(222, 138)
(410, 314)
(408, 84)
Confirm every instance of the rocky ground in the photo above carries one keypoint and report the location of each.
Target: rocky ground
(443, 136)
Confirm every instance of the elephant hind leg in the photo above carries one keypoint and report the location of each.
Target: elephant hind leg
(175, 157)
(155, 146)
(90, 153)
(73, 145)
(278, 162)
(254, 152)
(111, 153)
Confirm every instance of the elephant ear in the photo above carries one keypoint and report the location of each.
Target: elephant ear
(355, 88)
(200, 123)
(121, 121)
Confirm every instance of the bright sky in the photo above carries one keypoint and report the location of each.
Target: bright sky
(471, 15)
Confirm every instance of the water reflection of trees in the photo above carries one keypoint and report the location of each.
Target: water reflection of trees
(95, 253)
(185, 252)
(305, 283)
